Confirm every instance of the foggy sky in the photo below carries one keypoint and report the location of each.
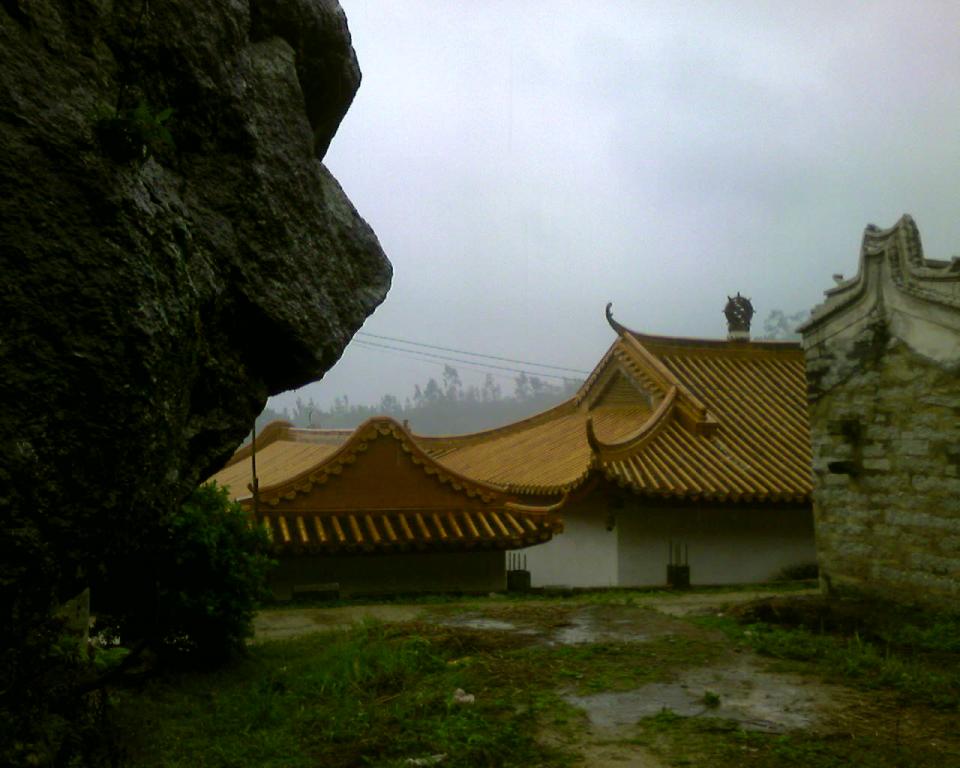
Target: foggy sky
(523, 163)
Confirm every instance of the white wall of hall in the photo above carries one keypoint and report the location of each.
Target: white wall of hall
(727, 545)
(584, 555)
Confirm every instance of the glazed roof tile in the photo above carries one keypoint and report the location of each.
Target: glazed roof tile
(276, 461)
(663, 416)
(374, 490)
(548, 455)
(340, 532)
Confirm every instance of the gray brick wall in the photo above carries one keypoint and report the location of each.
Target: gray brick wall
(885, 428)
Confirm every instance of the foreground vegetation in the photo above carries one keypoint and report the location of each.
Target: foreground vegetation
(184, 593)
(446, 694)
(374, 695)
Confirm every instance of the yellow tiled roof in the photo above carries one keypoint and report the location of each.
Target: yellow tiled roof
(549, 454)
(276, 462)
(759, 449)
(669, 417)
(404, 530)
(374, 490)
(662, 416)
(283, 452)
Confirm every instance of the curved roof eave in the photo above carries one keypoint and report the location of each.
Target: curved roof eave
(908, 269)
(604, 451)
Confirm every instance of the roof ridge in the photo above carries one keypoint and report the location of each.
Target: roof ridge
(693, 412)
(470, 438)
(373, 429)
(596, 373)
(900, 250)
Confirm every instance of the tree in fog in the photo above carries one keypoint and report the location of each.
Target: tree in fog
(437, 407)
(780, 326)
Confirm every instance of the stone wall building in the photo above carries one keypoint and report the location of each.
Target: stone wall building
(883, 368)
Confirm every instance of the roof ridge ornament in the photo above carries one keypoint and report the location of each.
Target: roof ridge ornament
(617, 327)
(739, 312)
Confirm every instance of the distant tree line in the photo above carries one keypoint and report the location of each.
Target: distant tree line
(446, 406)
(437, 407)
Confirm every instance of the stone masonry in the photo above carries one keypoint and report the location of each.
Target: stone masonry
(883, 366)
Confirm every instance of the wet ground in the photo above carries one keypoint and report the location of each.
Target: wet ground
(739, 691)
(733, 687)
(736, 689)
(587, 624)
(285, 623)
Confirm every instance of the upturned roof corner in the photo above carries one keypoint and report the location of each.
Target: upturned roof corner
(916, 297)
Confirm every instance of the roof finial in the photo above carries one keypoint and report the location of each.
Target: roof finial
(739, 312)
(619, 329)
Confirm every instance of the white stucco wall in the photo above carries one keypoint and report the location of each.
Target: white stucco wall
(584, 555)
(732, 545)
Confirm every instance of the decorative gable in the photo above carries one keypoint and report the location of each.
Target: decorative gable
(621, 389)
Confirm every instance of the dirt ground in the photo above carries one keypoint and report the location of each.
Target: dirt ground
(287, 622)
(746, 691)
(603, 741)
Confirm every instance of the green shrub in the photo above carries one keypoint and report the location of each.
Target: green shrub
(193, 587)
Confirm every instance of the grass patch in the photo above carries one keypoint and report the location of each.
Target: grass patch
(375, 695)
(380, 694)
(584, 669)
(679, 741)
(875, 647)
(870, 664)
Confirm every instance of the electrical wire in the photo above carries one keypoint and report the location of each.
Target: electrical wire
(414, 355)
(420, 355)
(472, 354)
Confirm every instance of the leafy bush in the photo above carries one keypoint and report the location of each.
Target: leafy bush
(136, 133)
(193, 587)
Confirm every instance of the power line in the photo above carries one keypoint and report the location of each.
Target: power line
(472, 354)
(416, 352)
(415, 355)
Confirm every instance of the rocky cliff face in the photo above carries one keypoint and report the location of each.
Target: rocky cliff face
(172, 251)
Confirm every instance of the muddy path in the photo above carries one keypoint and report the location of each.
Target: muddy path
(603, 737)
(287, 622)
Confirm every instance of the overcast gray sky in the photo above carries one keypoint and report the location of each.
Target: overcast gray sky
(524, 162)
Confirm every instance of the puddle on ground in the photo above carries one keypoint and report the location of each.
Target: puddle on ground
(697, 603)
(757, 700)
(479, 622)
(609, 710)
(614, 624)
(590, 625)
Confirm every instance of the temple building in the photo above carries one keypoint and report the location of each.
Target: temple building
(699, 444)
(369, 512)
(674, 451)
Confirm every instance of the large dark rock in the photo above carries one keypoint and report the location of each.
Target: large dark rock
(163, 273)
